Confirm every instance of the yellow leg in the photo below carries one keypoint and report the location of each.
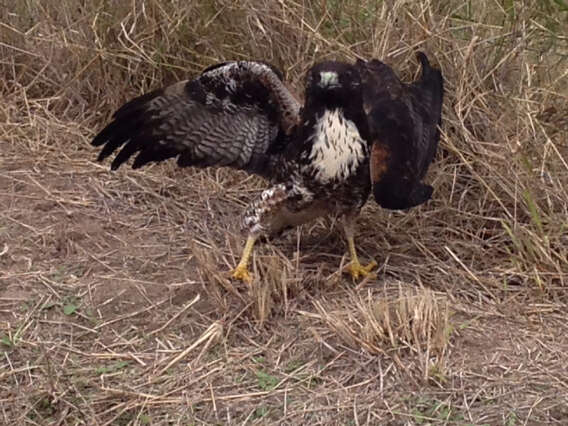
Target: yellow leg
(355, 268)
(241, 271)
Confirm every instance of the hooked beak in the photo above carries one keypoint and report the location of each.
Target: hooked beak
(328, 79)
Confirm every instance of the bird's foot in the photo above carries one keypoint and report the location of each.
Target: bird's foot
(241, 273)
(357, 270)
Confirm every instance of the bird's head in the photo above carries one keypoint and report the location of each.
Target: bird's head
(333, 82)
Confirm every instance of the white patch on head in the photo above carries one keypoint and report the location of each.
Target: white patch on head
(337, 149)
(328, 78)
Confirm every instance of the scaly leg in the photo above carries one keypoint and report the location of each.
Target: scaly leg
(241, 271)
(355, 268)
(268, 214)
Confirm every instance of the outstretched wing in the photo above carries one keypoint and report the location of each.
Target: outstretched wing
(403, 123)
(236, 114)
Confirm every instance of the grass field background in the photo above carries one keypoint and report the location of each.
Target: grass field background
(116, 305)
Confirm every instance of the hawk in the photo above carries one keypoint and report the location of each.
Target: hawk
(359, 130)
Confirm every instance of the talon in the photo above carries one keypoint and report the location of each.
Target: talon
(241, 273)
(356, 269)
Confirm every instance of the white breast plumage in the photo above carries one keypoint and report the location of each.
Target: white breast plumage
(337, 148)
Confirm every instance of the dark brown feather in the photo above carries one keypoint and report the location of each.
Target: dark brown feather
(403, 123)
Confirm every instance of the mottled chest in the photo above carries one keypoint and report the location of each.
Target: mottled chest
(337, 149)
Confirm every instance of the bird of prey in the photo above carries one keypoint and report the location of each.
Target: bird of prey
(359, 130)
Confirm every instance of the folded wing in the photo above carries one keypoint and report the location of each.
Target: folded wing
(235, 114)
(403, 122)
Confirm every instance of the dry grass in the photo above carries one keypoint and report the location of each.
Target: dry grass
(115, 304)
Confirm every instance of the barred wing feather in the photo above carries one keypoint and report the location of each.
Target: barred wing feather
(236, 114)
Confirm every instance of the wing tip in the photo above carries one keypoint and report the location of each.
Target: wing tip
(431, 76)
(127, 123)
(393, 197)
(427, 68)
(102, 137)
(421, 56)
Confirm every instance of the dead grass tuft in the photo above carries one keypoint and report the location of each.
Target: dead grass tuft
(406, 320)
